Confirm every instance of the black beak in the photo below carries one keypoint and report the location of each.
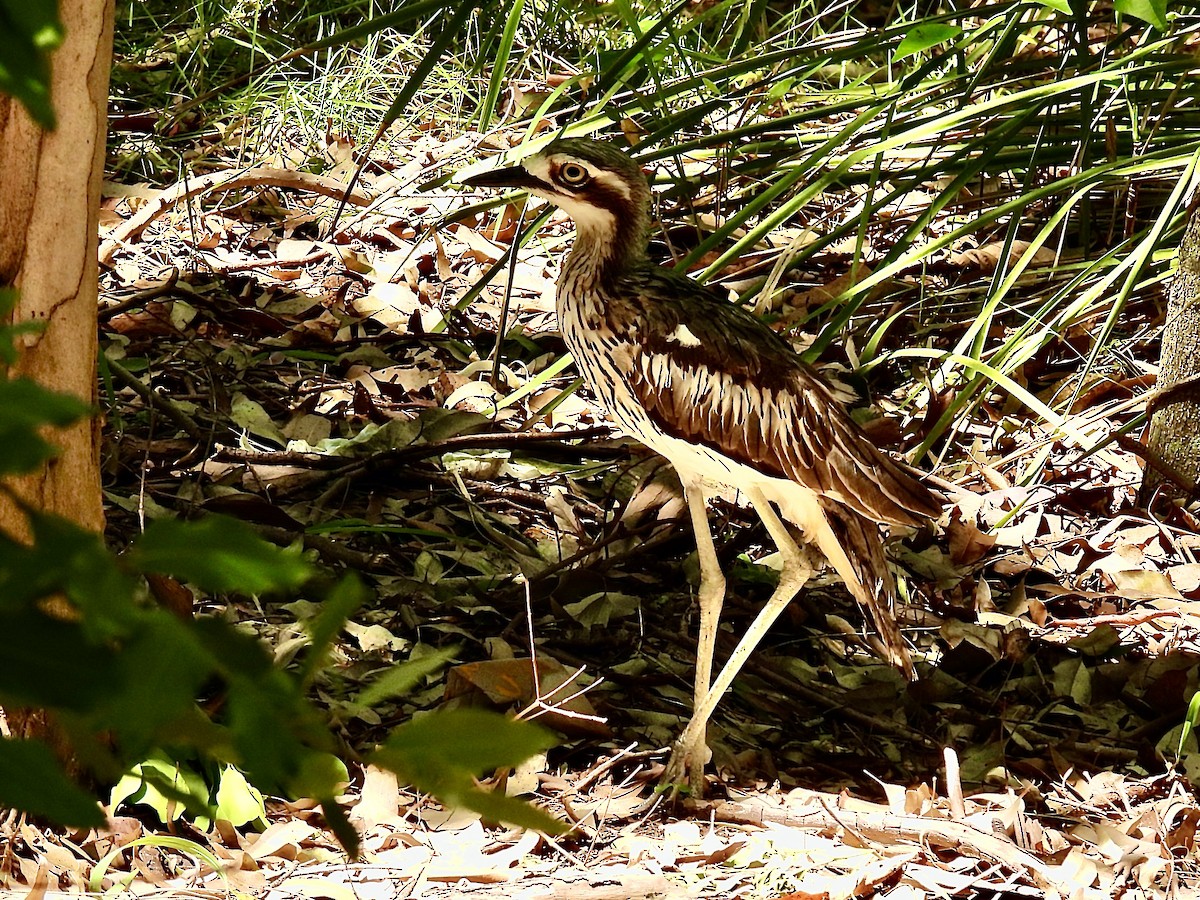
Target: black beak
(514, 176)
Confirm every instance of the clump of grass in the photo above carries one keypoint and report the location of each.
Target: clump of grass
(824, 141)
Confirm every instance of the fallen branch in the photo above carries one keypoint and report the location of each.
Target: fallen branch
(226, 180)
(1137, 617)
(887, 826)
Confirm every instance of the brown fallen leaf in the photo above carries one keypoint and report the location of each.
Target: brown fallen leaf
(509, 682)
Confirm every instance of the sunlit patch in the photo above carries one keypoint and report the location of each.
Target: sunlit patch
(683, 336)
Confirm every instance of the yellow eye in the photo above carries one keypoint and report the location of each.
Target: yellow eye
(573, 174)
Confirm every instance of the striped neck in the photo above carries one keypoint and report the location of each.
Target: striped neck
(610, 239)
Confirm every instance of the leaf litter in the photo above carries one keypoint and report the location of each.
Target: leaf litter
(339, 393)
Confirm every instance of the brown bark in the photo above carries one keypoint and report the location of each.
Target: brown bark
(48, 219)
(49, 207)
(1175, 424)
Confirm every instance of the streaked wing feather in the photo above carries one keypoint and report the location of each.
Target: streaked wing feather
(875, 591)
(737, 387)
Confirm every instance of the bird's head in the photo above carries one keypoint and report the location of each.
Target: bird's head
(595, 183)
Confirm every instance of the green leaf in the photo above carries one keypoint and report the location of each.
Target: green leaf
(338, 605)
(168, 787)
(441, 753)
(1190, 721)
(35, 20)
(278, 738)
(238, 801)
(29, 30)
(46, 662)
(25, 408)
(335, 817)
(238, 654)
(32, 780)
(599, 609)
(400, 679)
(321, 775)
(1062, 6)
(923, 37)
(72, 560)
(1152, 11)
(26, 403)
(22, 450)
(500, 808)
(218, 554)
(452, 739)
(250, 415)
(160, 670)
(191, 848)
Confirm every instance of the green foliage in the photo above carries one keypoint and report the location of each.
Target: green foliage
(234, 557)
(1191, 722)
(443, 753)
(31, 779)
(29, 31)
(124, 675)
(173, 788)
(1152, 11)
(191, 848)
(924, 37)
(24, 405)
(399, 680)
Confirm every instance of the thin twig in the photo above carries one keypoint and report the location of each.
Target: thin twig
(160, 402)
(138, 299)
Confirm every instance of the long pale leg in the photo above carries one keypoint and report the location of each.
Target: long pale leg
(796, 572)
(691, 759)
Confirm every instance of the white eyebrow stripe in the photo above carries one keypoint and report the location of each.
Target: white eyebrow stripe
(611, 181)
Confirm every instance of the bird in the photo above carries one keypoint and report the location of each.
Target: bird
(727, 401)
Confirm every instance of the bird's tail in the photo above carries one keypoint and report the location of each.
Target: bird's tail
(855, 550)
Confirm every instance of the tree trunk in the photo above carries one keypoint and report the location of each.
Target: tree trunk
(1175, 424)
(49, 208)
(48, 219)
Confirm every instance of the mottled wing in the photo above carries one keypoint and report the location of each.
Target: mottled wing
(711, 373)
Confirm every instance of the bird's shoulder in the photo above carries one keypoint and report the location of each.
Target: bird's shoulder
(711, 373)
(665, 313)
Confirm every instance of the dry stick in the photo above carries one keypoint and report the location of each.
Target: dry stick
(1160, 396)
(329, 549)
(1129, 618)
(489, 490)
(249, 265)
(886, 826)
(410, 453)
(161, 402)
(139, 299)
(593, 774)
(334, 468)
(954, 791)
(258, 176)
(327, 468)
